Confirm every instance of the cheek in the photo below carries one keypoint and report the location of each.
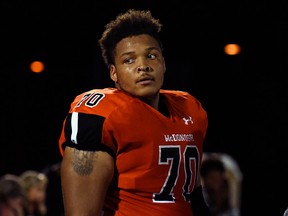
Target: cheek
(159, 67)
(126, 76)
(160, 75)
(16, 202)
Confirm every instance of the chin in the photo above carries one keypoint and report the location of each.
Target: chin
(147, 93)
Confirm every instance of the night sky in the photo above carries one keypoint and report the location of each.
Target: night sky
(246, 96)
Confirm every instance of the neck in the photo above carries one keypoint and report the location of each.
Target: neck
(153, 101)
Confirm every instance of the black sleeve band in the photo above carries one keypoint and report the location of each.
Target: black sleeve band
(198, 203)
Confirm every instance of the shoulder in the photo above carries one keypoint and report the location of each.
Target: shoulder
(99, 101)
(183, 100)
(106, 92)
(178, 95)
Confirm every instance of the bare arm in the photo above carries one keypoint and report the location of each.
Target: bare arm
(85, 177)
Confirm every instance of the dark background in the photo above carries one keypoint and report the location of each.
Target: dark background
(245, 95)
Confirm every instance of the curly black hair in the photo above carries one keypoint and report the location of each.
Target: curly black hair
(131, 23)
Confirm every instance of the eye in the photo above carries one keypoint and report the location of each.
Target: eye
(129, 60)
(151, 56)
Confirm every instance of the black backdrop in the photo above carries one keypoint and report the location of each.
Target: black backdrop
(245, 95)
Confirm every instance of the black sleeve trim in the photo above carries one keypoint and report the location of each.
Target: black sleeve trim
(89, 133)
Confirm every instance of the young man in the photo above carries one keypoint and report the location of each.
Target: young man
(134, 149)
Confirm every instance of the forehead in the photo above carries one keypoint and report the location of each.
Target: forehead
(133, 43)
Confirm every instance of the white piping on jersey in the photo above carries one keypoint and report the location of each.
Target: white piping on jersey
(74, 127)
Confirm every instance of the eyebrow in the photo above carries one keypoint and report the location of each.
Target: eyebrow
(148, 49)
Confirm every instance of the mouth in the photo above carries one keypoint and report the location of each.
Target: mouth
(145, 80)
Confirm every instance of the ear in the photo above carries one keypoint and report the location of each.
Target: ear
(113, 74)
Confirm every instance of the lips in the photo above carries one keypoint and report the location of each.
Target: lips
(145, 79)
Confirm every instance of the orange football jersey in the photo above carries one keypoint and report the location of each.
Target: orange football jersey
(157, 156)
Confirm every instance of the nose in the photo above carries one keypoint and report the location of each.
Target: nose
(143, 68)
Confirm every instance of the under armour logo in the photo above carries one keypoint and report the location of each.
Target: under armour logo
(186, 120)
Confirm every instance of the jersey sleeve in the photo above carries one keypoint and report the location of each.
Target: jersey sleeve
(84, 125)
(83, 131)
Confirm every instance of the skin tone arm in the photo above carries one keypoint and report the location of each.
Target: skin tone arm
(85, 177)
